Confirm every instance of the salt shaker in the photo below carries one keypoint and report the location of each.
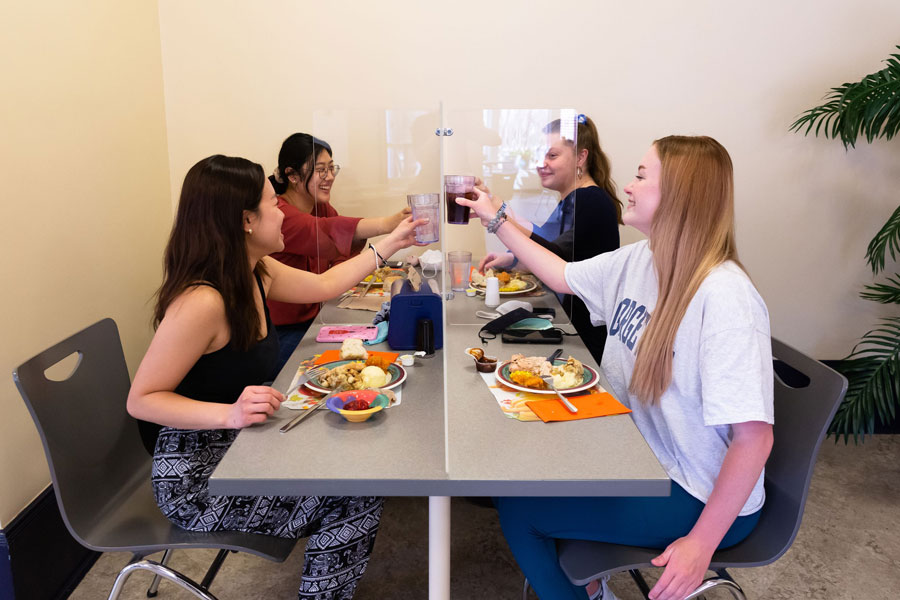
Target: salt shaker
(492, 291)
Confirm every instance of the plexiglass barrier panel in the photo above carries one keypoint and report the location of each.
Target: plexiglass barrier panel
(526, 158)
(368, 163)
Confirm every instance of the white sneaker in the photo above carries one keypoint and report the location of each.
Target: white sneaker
(603, 592)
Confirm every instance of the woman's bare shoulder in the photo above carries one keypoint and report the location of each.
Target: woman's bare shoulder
(198, 301)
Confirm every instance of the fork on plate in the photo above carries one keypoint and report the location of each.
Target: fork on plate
(548, 379)
(311, 373)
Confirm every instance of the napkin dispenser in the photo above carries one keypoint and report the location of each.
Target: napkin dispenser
(408, 307)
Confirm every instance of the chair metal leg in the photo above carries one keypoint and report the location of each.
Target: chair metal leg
(213, 569)
(714, 582)
(154, 585)
(157, 569)
(640, 582)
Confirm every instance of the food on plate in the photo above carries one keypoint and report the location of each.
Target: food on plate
(536, 365)
(373, 377)
(352, 349)
(344, 376)
(527, 379)
(568, 375)
(509, 282)
(514, 285)
(378, 275)
(528, 370)
(354, 376)
(378, 361)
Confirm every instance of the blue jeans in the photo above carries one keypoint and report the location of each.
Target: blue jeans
(532, 526)
(288, 338)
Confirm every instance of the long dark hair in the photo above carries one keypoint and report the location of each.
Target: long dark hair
(597, 163)
(297, 155)
(207, 243)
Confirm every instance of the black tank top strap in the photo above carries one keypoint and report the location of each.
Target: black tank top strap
(262, 292)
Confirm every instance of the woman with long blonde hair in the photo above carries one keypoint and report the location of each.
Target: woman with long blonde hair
(688, 350)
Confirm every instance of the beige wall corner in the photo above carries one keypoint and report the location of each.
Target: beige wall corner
(85, 194)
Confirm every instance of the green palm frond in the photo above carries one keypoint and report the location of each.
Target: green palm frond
(887, 239)
(869, 107)
(885, 293)
(873, 372)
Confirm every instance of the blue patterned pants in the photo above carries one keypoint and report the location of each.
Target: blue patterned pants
(341, 530)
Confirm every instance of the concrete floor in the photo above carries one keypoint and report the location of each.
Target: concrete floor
(848, 547)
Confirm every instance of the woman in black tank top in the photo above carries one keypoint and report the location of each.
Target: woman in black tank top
(202, 378)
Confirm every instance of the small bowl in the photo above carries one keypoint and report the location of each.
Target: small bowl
(487, 364)
(374, 399)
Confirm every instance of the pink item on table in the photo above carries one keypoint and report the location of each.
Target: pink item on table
(339, 333)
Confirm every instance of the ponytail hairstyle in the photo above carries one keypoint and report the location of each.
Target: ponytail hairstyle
(297, 155)
(692, 232)
(597, 164)
(208, 242)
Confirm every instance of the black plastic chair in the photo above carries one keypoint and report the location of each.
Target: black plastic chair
(101, 470)
(802, 416)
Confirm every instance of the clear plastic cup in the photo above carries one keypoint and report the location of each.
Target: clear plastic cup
(456, 186)
(460, 266)
(426, 206)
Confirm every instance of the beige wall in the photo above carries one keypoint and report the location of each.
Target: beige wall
(85, 187)
(240, 78)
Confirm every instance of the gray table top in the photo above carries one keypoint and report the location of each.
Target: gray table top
(429, 447)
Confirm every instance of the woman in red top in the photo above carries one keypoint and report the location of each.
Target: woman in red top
(315, 237)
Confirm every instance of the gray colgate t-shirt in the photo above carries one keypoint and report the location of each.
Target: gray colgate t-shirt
(721, 368)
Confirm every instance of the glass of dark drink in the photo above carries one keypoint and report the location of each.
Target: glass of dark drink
(456, 186)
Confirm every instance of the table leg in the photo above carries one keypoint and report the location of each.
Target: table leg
(438, 548)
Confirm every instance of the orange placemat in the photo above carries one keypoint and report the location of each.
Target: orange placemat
(589, 406)
(333, 355)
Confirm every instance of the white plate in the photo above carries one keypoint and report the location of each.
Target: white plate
(530, 286)
(397, 373)
(591, 378)
(394, 273)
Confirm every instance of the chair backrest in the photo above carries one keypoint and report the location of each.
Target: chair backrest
(92, 445)
(802, 417)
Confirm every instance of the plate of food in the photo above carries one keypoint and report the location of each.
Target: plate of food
(511, 283)
(379, 276)
(523, 373)
(374, 372)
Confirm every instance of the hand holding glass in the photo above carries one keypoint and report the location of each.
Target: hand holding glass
(426, 206)
(458, 186)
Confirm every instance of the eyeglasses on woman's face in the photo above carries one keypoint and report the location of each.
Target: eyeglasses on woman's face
(322, 171)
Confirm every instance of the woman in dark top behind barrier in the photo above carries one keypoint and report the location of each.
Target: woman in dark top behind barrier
(589, 212)
(214, 346)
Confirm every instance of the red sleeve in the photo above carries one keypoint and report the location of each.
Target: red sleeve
(328, 237)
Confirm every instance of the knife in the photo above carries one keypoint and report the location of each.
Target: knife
(368, 285)
(293, 422)
(554, 356)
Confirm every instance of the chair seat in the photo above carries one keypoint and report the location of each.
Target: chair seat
(584, 561)
(135, 516)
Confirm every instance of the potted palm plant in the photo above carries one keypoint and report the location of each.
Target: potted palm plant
(869, 108)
